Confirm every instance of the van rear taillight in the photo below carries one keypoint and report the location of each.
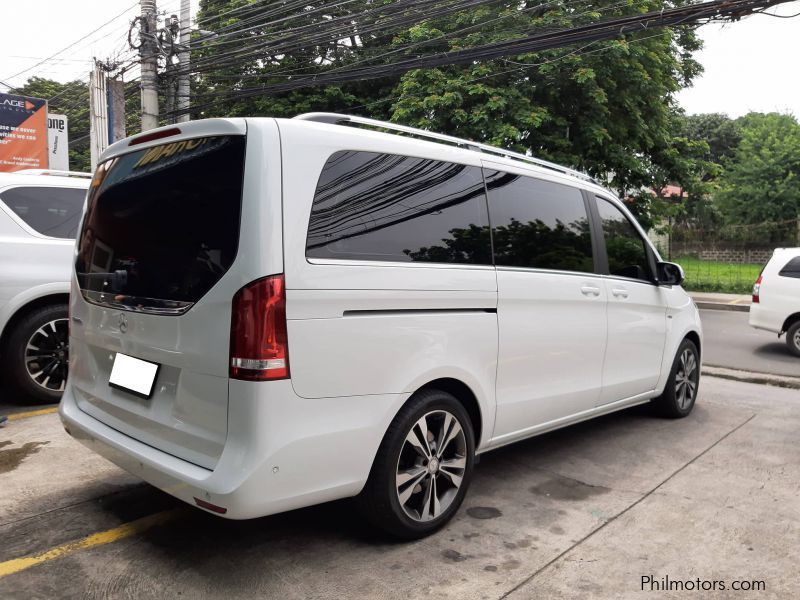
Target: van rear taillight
(259, 347)
(757, 289)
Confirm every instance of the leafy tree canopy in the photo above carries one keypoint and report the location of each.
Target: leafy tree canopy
(607, 108)
(718, 130)
(761, 181)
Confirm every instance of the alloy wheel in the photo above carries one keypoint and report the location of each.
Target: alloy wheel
(431, 465)
(686, 379)
(47, 355)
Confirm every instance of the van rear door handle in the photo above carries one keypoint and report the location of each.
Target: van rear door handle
(590, 290)
(619, 292)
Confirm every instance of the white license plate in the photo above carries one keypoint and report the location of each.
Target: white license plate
(133, 375)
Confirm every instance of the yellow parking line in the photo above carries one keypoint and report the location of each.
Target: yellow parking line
(32, 413)
(96, 539)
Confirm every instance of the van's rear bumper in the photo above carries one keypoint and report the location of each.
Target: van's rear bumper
(765, 319)
(282, 451)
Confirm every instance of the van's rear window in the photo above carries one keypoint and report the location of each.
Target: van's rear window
(162, 224)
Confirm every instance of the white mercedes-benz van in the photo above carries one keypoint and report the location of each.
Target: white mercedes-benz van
(268, 314)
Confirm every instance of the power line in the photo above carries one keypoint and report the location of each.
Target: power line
(292, 40)
(458, 32)
(52, 56)
(606, 29)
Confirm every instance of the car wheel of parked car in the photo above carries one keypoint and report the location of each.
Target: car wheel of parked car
(36, 354)
(793, 338)
(423, 467)
(680, 393)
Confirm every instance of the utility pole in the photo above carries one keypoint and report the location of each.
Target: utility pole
(116, 109)
(183, 60)
(98, 110)
(149, 61)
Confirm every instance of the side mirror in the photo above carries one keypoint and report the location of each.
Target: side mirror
(669, 273)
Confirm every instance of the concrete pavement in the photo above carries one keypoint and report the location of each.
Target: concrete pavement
(585, 511)
(714, 301)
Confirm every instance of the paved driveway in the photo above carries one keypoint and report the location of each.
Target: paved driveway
(587, 511)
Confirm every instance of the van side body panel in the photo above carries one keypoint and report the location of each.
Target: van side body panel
(371, 328)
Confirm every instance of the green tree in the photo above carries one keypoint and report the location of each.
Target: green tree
(761, 181)
(719, 131)
(607, 108)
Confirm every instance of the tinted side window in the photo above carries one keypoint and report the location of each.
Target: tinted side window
(791, 269)
(627, 252)
(49, 210)
(371, 206)
(538, 224)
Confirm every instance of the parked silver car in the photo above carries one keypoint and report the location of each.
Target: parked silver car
(39, 214)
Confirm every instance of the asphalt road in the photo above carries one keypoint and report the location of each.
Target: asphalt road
(730, 342)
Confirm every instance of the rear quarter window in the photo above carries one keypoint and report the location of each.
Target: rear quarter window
(386, 207)
(791, 269)
(51, 211)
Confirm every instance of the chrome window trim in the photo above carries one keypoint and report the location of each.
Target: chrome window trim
(106, 299)
(547, 271)
(350, 262)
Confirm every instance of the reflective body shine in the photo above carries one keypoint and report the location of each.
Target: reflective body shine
(537, 349)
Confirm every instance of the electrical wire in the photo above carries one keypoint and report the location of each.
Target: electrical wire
(217, 62)
(593, 32)
(52, 56)
(290, 39)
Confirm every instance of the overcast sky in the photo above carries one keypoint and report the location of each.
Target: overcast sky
(749, 65)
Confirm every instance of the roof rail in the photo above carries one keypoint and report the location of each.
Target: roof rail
(54, 172)
(336, 119)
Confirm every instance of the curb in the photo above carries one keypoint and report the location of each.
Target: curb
(705, 305)
(750, 377)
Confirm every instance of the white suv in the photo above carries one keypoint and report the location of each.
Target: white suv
(776, 297)
(269, 313)
(39, 215)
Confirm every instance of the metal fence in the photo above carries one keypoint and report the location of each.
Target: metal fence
(728, 258)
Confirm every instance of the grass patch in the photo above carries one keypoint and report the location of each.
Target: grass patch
(714, 276)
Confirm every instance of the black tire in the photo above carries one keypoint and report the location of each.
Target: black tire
(793, 338)
(23, 386)
(380, 502)
(672, 403)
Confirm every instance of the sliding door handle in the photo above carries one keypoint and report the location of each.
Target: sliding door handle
(590, 290)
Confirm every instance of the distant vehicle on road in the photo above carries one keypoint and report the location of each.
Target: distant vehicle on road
(268, 313)
(39, 215)
(776, 297)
